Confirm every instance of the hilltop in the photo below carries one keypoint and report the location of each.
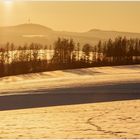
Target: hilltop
(27, 33)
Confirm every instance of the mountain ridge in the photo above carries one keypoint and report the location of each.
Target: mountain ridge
(30, 32)
(46, 27)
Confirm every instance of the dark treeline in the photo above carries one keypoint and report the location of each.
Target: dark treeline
(66, 54)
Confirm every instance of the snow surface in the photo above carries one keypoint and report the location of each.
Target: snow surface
(70, 78)
(119, 119)
(114, 119)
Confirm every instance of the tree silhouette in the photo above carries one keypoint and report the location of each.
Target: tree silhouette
(86, 50)
(34, 57)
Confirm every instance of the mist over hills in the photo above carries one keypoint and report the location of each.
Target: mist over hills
(28, 33)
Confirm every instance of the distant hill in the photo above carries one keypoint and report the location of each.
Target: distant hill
(26, 29)
(28, 33)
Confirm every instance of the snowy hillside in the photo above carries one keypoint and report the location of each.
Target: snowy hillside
(62, 104)
(88, 77)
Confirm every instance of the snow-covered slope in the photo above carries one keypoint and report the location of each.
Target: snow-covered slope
(92, 77)
(119, 119)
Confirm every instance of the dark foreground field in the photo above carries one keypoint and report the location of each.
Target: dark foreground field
(70, 96)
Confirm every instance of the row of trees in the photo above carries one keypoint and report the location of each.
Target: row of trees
(110, 52)
(66, 54)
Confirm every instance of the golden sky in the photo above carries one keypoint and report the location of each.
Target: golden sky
(73, 16)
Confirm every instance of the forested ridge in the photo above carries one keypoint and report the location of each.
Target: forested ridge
(66, 54)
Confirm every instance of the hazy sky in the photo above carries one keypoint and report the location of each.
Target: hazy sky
(73, 16)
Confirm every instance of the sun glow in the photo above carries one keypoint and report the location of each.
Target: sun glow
(8, 2)
(7, 10)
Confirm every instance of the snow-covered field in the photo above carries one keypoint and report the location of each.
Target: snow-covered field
(119, 119)
(76, 118)
(70, 78)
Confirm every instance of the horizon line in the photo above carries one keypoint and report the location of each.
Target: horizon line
(61, 30)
